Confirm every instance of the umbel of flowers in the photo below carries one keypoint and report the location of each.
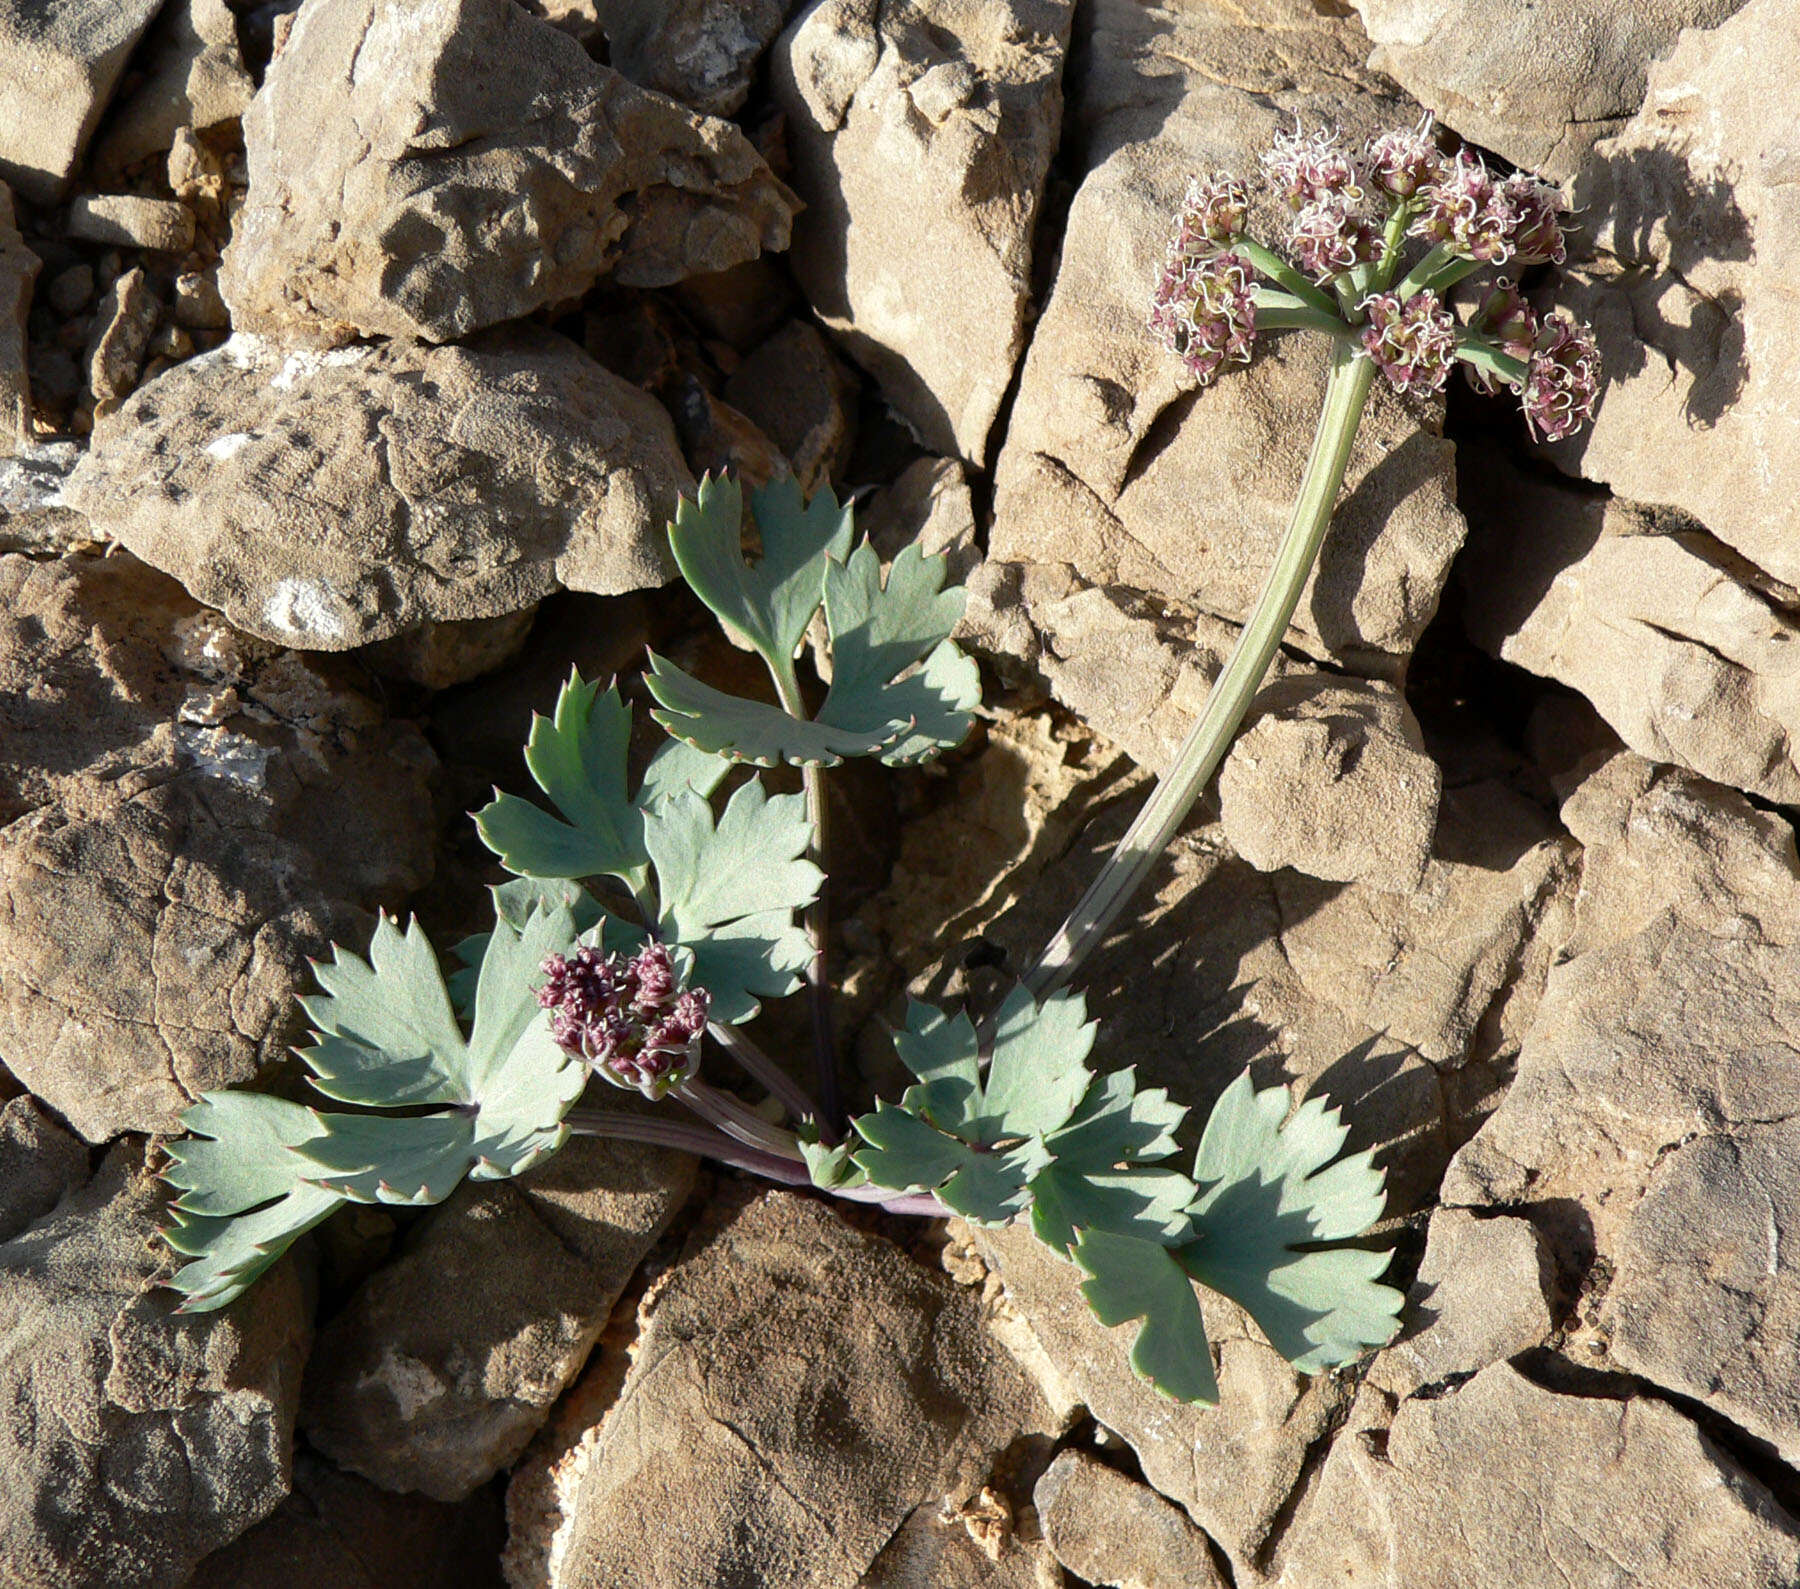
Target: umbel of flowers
(1353, 216)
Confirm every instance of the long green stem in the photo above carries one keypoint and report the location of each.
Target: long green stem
(1346, 393)
(831, 1119)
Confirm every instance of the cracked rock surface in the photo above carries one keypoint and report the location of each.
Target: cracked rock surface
(189, 813)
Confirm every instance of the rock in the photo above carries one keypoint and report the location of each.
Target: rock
(122, 327)
(1331, 778)
(1651, 1131)
(741, 307)
(1539, 84)
(1118, 476)
(716, 438)
(1110, 1530)
(426, 169)
(1659, 625)
(932, 1551)
(425, 484)
(1479, 1299)
(189, 814)
(198, 304)
(40, 1164)
(580, 19)
(921, 140)
(70, 291)
(446, 1361)
(1504, 1482)
(336, 1532)
(32, 515)
(1697, 326)
(18, 270)
(194, 77)
(701, 52)
(126, 221)
(798, 393)
(135, 1441)
(928, 505)
(63, 59)
(439, 655)
(812, 1384)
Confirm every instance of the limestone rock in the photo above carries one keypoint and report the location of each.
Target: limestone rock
(445, 1363)
(1652, 1124)
(430, 167)
(1118, 476)
(124, 322)
(189, 814)
(797, 392)
(194, 76)
(337, 1532)
(126, 221)
(932, 1551)
(1504, 1482)
(1479, 1299)
(814, 1385)
(440, 655)
(1660, 626)
(33, 517)
(1111, 1530)
(1331, 778)
(39, 1164)
(18, 270)
(928, 505)
(134, 1441)
(1691, 208)
(1537, 84)
(60, 61)
(701, 52)
(328, 500)
(921, 139)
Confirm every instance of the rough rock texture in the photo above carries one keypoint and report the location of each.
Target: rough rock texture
(1331, 778)
(1649, 617)
(796, 391)
(336, 1532)
(1117, 476)
(819, 1386)
(932, 1551)
(18, 270)
(928, 504)
(429, 167)
(127, 221)
(1538, 83)
(1652, 1124)
(188, 814)
(1504, 1482)
(921, 137)
(63, 58)
(445, 1363)
(1111, 1530)
(133, 1441)
(123, 324)
(39, 1164)
(701, 52)
(32, 514)
(327, 500)
(1692, 208)
(1479, 1299)
(194, 76)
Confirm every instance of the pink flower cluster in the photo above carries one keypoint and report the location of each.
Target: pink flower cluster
(1413, 343)
(1484, 218)
(1563, 380)
(1204, 312)
(628, 1019)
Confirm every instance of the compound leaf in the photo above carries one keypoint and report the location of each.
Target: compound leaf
(577, 757)
(723, 724)
(1130, 1278)
(677, 766)
(771, 602)
(879, 633)
(1270, 1193)
(729, 892)
(906, 1153)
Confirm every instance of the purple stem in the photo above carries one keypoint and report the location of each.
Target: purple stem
(794, 1098)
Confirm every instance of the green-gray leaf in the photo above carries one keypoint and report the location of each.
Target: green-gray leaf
(722, 724)
(577, 757)
(771, 603)
(986, 1185)
(1131, 1278)
(1270, 1192)
(729, 892)
(879, 632)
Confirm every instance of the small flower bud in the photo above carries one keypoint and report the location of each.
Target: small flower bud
(1506, 320)
(1537, 232)
(1404, 160)
(1563, 384)
(1469, 211)
(1413, 343)
(650, 978)
(1330, 236)
(1204, 312)
(1304, 167)
(628, 1021)
(1214, 214)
